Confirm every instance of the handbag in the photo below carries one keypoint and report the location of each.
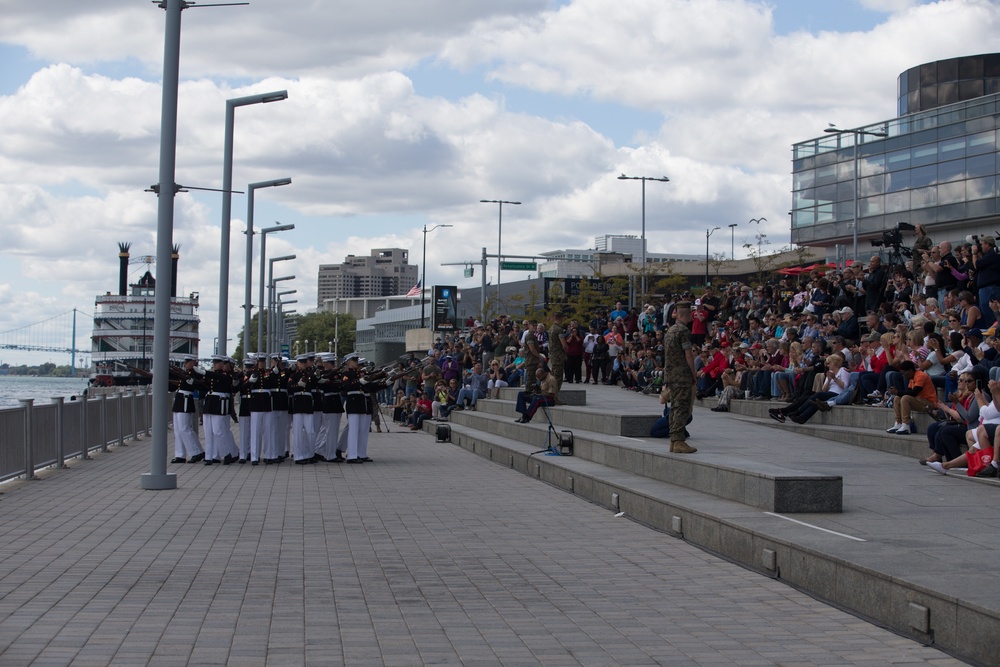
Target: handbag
(977, 459)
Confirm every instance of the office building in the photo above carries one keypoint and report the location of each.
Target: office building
(386, 272)
(937, 163)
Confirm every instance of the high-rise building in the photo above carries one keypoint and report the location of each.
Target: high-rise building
(935, 164)
(386, 272)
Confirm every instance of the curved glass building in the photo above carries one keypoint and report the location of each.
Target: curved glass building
(936, 163)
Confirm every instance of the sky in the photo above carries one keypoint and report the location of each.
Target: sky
(402, 115)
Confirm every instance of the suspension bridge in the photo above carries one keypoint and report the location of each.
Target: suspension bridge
(59, 334)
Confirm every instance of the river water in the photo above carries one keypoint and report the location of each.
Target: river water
(42, 389)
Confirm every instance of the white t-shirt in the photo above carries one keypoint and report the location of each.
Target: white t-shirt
(844, 378)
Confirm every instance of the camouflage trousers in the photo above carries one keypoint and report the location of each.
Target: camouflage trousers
(681, 407)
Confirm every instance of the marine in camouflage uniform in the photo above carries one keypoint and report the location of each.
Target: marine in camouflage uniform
(679, 376)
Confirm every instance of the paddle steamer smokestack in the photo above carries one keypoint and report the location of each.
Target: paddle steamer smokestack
(123, 268)
(174, 256)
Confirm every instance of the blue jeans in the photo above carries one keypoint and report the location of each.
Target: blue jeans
(985, 295)
(472, 394)
(848, 393)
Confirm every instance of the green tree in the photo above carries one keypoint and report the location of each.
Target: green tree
(321, 329)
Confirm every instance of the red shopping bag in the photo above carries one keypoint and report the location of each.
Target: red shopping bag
(977, 459)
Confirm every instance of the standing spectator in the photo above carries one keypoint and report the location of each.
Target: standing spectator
(589, 343)
(574, 353)
(986, 261)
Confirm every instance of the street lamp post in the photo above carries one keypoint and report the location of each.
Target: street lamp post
(273, 322)
(271, 328)
(263, 253)
(247, 305)
(227, 196)
(858, 133)
(423, 277)
(663, 179)
(158, 478)
(732, 241)
(708, 233)
(500, 203)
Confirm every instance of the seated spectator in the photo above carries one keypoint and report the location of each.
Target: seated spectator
(849, 328)
(709, 377)
(968, 311)
(918, 395)
(399, 408)
(497, 381)
(420, 413)
(946, 437)
(528, 404)
(730, 390)
(835, 382)
(475, 383)
(440, 400)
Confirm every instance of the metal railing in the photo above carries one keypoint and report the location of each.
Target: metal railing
(39, 436)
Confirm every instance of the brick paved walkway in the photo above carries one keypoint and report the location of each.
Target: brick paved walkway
(431, 555)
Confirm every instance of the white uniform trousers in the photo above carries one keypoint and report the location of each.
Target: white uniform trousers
(186, 443)
(281, 420)
(366, 424)
(245, 435)
(303, 437)
(230, 442)
(260, 435)
(216, 427)
(354, 422)
(342, 438)
(326, 436)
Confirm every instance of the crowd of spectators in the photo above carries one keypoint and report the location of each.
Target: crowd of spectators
(904, 335)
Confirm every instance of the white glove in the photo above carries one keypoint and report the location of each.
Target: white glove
(189, 381)
(253, 378)
(302, 383)
(199, 370)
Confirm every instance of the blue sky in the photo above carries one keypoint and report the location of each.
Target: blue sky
(406, 115)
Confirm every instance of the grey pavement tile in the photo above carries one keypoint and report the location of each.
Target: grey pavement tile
(431, 555)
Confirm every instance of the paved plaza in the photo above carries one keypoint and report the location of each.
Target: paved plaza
(430, 555)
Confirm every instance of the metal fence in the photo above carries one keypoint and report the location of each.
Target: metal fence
(37, 436)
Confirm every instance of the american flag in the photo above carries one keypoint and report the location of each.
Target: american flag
(416, 290)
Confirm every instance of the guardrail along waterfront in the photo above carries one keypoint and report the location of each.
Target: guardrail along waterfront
(33, 437)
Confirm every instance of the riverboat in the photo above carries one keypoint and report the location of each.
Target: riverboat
(122, 340)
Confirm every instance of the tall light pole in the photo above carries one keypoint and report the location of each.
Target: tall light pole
(247, 305)
(858, 133)
(423, 278)
(499, 202)
(732, 240)
(158, 477)
(270, 274)
(260, 317)
(663, 179)
(227, 197)
(272, 306)
(708, 233)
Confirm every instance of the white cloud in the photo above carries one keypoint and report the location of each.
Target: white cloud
(373, 159)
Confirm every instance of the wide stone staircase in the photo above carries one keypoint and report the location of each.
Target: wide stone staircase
(836, 507)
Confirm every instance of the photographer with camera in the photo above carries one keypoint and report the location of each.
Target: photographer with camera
(986, 261)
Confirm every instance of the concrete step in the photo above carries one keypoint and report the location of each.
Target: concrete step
(636, 421)
(762, 484)
(568, 395)
(848, 416)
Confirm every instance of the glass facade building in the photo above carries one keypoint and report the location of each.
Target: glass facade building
(937, 165)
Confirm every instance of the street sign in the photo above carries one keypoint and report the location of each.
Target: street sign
(519, 266)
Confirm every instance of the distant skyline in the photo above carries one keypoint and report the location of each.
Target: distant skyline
(402, 115)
